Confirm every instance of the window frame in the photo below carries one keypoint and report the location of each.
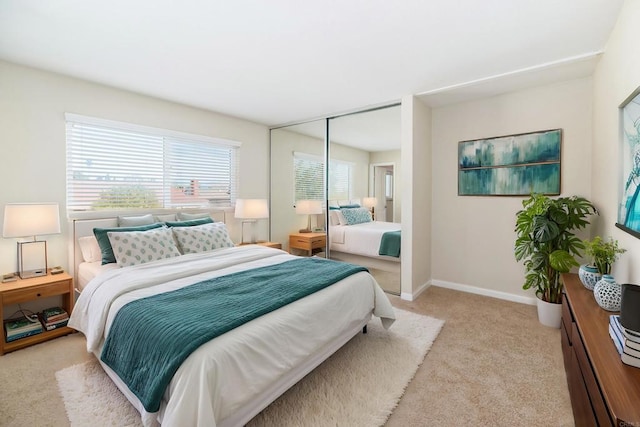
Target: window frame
(167, 137)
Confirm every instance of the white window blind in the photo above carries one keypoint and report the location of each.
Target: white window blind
(113, 165)
(309, 178)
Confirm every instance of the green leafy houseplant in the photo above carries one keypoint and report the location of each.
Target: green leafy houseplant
(546, 242)
(603, 254)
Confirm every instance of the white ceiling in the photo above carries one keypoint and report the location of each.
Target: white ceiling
(283, 61)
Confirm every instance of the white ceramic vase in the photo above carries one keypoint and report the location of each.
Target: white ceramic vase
(589, 276)
(549, 314)
(608, 293)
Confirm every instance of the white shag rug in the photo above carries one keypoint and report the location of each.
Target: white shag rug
(359, 385)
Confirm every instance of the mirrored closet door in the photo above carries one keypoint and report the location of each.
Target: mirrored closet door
(319, 169)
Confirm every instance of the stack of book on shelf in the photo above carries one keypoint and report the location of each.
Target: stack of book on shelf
(21, 327)
(54, 317)
(627, 341)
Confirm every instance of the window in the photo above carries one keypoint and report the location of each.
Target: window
(114, 165)
(309, 177)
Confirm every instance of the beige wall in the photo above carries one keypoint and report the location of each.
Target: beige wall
(473, 237)
(416, 188)
(32, 137)
(616, 77)
(392, 156)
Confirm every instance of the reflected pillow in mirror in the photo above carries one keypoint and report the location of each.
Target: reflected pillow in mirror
(356, 215)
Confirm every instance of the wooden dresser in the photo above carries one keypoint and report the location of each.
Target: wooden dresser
(603, 390)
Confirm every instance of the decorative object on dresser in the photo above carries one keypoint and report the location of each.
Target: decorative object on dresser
(250, 210)
(308, 242)
(604, 391)
(630, 306)
(607, 293)
(546, 242)
(31, 219)
(308, 207)
(24, 290)
(603, 254)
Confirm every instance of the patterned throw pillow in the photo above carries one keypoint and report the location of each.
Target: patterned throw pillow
(138, 247)
(356, 215)
(200, 238)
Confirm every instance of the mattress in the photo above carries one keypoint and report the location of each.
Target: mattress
(221, 379)
(360, 239)
(89, 270)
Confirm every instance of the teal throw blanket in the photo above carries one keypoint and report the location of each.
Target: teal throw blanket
(151, 337)
(390, 244)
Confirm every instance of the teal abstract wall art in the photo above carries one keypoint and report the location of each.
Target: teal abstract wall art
(629, 200)
(512, 165)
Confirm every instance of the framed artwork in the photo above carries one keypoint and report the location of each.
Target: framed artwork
(512, 165)
(629, 200)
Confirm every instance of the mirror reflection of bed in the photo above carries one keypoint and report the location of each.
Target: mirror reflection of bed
(363, 157)
(374, 135)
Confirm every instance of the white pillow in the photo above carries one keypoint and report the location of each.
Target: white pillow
(165, 217)
(90, 248)
(139, 247)
(333, 217)
(135, 221)
(201, 238)
(184, 216)
(333, 204)
(341, 219)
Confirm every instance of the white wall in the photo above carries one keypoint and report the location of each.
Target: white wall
(473, 237)
(616, 77)
(416, 188)
(32, 137)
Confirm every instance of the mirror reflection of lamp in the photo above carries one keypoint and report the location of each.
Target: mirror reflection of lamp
(31, 219)
(308, 207)
(249, 210)
(370, 202)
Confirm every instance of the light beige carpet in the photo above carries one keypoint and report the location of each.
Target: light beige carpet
(358, 386)
(493, 364)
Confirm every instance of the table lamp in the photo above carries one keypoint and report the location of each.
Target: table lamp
(308, 207)
(31, 219)
(370, 202)
(249, 210)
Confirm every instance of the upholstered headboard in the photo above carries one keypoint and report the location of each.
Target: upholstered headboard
(81, 227)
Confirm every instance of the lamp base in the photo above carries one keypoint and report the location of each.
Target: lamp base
(304, 230)
(32, 259)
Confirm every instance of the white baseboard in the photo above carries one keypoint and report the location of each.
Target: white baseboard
(479, 291)
(410, 297)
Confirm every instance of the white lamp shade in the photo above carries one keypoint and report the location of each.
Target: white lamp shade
(369, 202)
(252, 209)
(31, 219)
(309, 207)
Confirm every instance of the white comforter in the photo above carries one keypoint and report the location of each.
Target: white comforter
(226, 374)
(360, 239)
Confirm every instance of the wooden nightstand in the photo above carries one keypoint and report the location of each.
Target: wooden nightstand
(267, 244)
(32, 289)
(307, 241)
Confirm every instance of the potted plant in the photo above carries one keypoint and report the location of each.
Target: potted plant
(546, 242)
(603, 255)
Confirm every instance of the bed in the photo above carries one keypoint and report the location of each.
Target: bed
(355, 237)
(229, 379)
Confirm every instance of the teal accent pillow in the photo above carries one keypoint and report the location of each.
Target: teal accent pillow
(105, 245)
(356, 215)
(189, 223)
(349, 206)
